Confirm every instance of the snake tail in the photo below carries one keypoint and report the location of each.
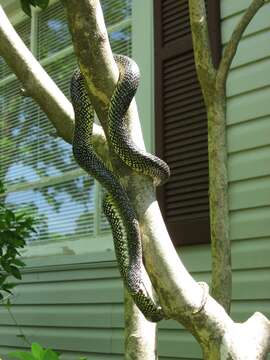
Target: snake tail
(151, 311)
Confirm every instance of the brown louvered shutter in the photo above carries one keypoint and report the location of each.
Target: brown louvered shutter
(181, 125)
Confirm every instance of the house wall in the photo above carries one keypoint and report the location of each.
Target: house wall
(75, 304)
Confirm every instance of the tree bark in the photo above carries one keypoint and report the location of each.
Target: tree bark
(217, 156)
(140, 335)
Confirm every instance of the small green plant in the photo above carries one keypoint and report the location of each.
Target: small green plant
(37, 353)
(15, 228)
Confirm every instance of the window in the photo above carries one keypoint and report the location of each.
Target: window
(181, 124)
(38, 169)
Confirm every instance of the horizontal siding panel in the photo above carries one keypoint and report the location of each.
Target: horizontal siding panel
(70, 275)
(197, 259)
(251, 284)
(248, 224)
(248, 106)
(251, 254)
(258, 23)
(231, 7)
(249, 164)
(249, 193)
(173, 343)
(245, 55)
(242, 310)
(89, 340)
(248, 78)
(70, 292)
(248, 135)
(73, 316)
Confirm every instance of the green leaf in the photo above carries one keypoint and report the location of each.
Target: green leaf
(25, 5)
(37, 351)
(50, 355)
(2, 279)
(5, 265)
(8, 286)
(15, 272)
(21, 355)
(18, 262)
(43, 4)
(2, 188)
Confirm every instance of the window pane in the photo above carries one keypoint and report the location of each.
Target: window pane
(19, 136)
(103, 223)
(120, 41)
(61, 71)
(23, 29)
(64, 211)
(53, 33)
(116, 11)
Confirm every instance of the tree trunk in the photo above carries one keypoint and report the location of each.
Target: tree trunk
(218, 199)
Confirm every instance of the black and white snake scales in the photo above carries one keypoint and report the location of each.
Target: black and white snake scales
(116, 204)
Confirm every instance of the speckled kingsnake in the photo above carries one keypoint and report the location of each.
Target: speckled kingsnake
(116, 204)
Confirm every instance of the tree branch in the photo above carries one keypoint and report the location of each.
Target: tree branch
(202, 49)
(38, 85)
(231, 47)
(217, 156)
(140, 335)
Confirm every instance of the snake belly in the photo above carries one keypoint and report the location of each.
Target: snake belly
(116, 204)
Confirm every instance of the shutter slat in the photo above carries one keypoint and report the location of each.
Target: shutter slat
(178, 121)
(184, 129)
(187, 185)
(184, 206)
(189, 213)
(184, 166)
(174, 26)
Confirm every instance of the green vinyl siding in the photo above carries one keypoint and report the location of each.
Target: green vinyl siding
(75, 304)
(248, 135)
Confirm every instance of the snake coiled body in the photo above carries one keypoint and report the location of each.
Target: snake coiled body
(116, 204)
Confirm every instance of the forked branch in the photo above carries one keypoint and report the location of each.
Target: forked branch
(201, 45)
(231, 47)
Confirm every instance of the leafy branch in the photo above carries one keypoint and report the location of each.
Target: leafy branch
(15, 229)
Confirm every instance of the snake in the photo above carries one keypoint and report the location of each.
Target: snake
(116, 203)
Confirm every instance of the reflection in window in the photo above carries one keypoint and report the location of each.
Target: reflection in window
(53, 33)
(64, 211)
